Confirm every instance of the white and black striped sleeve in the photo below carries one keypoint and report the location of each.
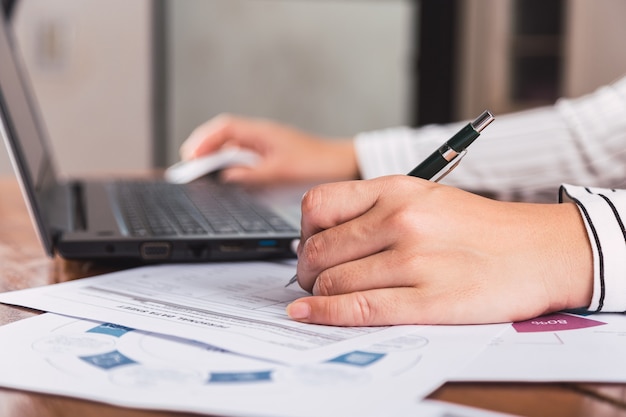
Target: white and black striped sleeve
(604, 213)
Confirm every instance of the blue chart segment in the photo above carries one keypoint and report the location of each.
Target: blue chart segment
(108, 360)
(111, 329)
(237, 377)
(358, 358)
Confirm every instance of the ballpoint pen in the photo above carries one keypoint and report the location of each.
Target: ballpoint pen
(447, 156)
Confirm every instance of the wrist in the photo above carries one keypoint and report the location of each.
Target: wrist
(574, 260)
(344, 160)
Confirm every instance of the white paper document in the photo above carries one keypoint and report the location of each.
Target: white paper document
(126, 367)
(558, 347)
(238, 306)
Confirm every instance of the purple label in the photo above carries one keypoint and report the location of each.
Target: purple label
(554, 323)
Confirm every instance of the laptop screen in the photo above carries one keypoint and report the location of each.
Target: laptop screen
(23, 133)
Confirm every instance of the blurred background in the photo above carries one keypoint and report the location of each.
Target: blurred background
(122, 83)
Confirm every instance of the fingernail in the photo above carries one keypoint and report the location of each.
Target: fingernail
(298, 310)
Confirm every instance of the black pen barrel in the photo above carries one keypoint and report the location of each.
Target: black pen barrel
(430, 166)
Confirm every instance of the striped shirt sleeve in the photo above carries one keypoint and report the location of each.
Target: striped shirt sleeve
(523, 156)
(528, 156)
(604, 213)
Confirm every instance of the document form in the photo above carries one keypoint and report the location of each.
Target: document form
(237, 306)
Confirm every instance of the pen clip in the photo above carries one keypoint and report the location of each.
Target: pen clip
(449, 167)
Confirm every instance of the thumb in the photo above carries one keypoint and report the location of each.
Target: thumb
(240, 174)
(363, 308)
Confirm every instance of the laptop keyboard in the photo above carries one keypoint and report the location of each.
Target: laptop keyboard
(202, 207)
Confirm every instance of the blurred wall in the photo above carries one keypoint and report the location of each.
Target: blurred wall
(90, 66)
(595, 53)
(333, 67)
(591, 51)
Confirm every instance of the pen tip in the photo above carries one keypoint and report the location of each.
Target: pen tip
(292, 280)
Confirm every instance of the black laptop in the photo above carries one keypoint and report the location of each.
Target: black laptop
(148, 221)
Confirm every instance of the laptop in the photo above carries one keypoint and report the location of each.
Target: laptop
(146, 221)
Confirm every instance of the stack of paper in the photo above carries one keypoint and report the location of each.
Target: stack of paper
(201, 338)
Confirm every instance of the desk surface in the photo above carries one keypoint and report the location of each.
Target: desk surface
(23, 264)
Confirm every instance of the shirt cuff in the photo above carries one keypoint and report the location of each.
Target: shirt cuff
(604, 212)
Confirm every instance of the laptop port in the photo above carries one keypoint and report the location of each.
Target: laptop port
(198, 251)
(231, 247)
(155, 250)
(267, 245)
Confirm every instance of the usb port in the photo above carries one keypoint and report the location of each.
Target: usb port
(156, 250)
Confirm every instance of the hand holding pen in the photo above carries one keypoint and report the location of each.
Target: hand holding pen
(443, 160)
(398, 250)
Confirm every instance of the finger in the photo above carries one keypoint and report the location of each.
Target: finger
(329, 205)
(356, 239)
(387, 269)
(207, 137)
(244, 175)
(390, 306)
(365, 308)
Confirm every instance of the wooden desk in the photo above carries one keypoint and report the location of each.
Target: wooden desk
(24, 264)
